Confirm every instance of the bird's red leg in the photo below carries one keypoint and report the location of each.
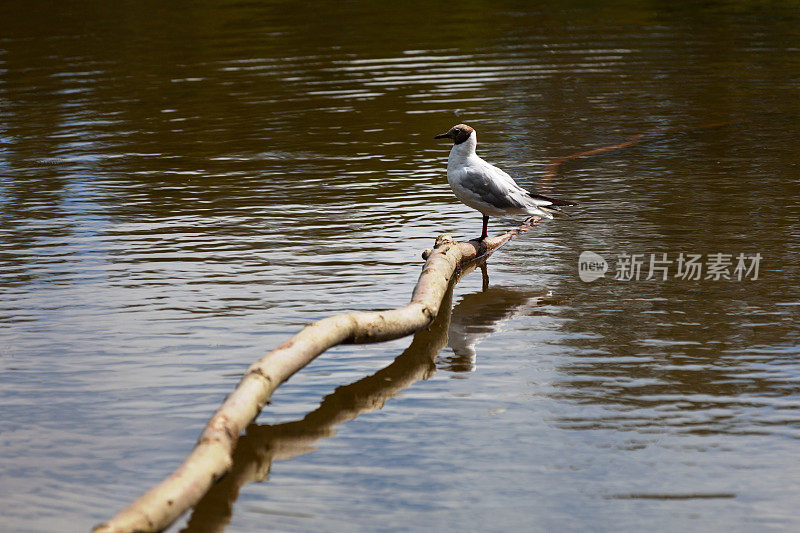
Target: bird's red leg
(485, 232)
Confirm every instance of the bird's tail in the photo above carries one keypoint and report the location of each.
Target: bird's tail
(553, 205)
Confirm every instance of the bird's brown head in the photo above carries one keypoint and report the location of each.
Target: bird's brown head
(459, 133)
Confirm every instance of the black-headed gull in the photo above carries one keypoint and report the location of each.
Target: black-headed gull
(484, 187)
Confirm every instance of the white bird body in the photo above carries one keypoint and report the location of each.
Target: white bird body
(487, 189)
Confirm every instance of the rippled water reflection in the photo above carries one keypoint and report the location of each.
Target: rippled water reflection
(183, 186)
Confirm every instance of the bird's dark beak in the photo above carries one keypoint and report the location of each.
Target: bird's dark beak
(444, 136)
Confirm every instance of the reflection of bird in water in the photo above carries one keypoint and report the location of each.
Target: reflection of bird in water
(480, 314)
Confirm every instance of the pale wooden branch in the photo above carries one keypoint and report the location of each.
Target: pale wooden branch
(211, 457)
(260, 445)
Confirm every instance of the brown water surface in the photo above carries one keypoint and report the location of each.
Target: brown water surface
(183, 185)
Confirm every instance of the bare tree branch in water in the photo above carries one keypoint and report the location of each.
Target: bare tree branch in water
(551, 169)
(211, 457)
(263, 444)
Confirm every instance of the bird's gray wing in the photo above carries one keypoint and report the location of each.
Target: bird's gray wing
(495, 187)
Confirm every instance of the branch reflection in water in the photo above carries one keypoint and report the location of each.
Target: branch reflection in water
(474, 318)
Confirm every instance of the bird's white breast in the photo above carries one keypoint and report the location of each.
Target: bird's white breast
(459, 166)
(462, 164)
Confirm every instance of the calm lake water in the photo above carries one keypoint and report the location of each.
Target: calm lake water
(185, 185)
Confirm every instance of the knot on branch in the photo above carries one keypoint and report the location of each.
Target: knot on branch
(255, 370)
(443, 240)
